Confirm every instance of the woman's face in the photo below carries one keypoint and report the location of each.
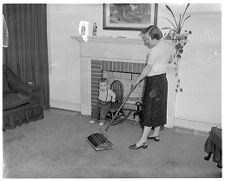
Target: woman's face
(148, 41)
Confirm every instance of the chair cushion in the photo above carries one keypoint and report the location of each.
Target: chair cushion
(5, 84)
(13, 100)
(133, 100)
(129, 106)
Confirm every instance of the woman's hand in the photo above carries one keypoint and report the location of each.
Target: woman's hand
(144, 73)
(132, 86)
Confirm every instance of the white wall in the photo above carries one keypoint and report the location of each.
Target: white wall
(63, 58)
(200, 70)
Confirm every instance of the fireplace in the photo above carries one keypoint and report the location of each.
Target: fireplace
(118, 56)
(125, 72)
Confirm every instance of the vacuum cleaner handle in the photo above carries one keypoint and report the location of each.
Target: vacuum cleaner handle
(127, 97)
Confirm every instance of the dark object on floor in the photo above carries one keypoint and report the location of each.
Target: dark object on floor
(21, 102)
(155, 138)
(213, 146)
(208, 156)
(135, 147)
(138, 110)
(132, 106)
(98, 140)
(219, 165)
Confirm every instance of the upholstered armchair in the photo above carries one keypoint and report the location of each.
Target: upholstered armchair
(21, 102)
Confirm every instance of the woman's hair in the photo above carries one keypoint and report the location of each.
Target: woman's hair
(154, 32)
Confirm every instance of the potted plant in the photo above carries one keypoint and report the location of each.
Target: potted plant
(180, 38)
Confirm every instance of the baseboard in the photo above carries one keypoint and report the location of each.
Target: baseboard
(168, 125)
(194, 125)
(178, 122)
(65, 105)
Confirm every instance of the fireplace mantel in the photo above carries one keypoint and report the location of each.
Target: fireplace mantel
(109, 48)
(109, 39)
(118, 50)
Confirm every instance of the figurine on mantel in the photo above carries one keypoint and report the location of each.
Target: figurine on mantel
(83, 30)
(94, 29)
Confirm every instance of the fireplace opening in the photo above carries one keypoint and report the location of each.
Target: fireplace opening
(127, 79)
(127, 73)
(131, 108)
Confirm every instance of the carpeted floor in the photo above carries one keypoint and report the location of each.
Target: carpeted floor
(56, 147)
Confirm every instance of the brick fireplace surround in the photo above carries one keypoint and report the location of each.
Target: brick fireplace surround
(122, 55)
(123, 71)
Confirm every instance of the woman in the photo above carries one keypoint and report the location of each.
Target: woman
(154, 111)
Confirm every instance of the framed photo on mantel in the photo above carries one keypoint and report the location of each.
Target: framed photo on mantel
(129, 16)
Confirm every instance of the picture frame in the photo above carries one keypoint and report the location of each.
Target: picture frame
(129, 16)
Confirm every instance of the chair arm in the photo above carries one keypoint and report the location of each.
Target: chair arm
(16, 84)
(20, 86)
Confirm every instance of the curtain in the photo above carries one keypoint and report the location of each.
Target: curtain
(27, 51)
(5, 33)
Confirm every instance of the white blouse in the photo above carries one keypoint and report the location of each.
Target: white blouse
(160, 56)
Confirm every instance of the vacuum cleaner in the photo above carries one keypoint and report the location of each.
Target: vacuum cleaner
(99, 141)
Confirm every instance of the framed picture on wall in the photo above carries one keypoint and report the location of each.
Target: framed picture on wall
(129, 16)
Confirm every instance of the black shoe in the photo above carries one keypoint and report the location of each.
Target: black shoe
(156, 138)
(219, 166)
(208, 156)
(135, 147)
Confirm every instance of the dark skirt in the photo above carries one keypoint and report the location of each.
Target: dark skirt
(154, 112)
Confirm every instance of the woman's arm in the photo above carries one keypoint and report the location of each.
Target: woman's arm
(144, 73)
